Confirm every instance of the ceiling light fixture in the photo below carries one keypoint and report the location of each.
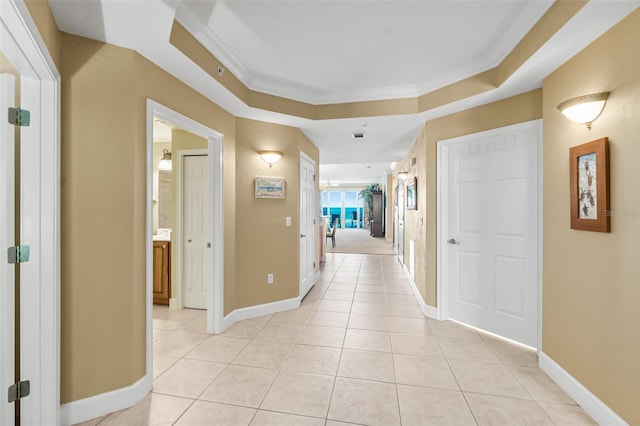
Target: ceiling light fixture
(165, 162)
(270, 157)
(403, 175)
(584, 109)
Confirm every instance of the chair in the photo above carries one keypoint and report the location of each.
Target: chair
(331, 233)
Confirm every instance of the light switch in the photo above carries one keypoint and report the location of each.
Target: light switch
(288, 220)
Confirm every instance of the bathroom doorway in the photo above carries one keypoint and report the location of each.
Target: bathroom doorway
(214, 252)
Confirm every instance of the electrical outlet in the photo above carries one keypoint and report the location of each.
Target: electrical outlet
(269, 278)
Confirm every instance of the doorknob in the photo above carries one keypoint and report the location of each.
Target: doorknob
(188, 241)
(453, 241)
(302, 235)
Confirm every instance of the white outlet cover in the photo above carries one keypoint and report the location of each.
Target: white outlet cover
(288, 220)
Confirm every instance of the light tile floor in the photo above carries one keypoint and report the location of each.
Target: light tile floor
(358, 351)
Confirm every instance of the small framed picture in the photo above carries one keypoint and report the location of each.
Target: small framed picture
(589, 166)
(412, 188)
(270, 187)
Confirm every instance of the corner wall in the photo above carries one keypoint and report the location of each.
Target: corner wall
(591, 303)
(103, 232)
(263, 243)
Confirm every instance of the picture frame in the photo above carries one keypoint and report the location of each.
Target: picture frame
(270, 187)
(589, 168)
(412, 190)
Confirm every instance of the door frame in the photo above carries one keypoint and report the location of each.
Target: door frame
(314, 240)
(215, 287)
(177, 235)
(40, 206)
(442, 223)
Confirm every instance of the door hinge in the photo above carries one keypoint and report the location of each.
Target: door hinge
(18, 254)
(314, 265)
(19, 117)
(19, 390)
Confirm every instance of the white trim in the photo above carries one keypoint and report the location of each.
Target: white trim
(177, 246)
(7, 239)
(215, 289)
(590, 403)
(314, 235)
(105, 403)
(540, 229)
(442, 148)
(260, 310)
(427, 310)
(40, 210)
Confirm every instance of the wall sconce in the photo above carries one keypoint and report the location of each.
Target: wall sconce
(270, 157)
(403, 175)
(165, 163)
(584, 109)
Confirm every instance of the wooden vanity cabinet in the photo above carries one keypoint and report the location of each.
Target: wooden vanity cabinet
(161, 272)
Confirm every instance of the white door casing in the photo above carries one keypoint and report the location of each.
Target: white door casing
(194, 231)
(307, 224)
(401, 206)
(215, 259)
(7, 239)
(39, 200)
(489, 233)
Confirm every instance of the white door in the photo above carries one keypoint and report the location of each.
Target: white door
(7, 239)
(492, 232)
(400, 237)
(194, 231)
(307, 224)
(23, 54)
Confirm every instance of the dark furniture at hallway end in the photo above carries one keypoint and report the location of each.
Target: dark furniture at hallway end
(376, 223)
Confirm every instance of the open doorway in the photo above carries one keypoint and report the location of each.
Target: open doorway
(213, 252)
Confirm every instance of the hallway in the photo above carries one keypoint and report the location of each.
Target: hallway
(358, 351)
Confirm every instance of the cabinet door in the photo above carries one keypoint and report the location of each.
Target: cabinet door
(161, 272)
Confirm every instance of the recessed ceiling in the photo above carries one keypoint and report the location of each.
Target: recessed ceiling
(342, 51)
(323, 52)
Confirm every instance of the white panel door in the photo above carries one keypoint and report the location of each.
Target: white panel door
(7, 239)
(194, 231)
(400, 237)
(307, 224)
(492, 233)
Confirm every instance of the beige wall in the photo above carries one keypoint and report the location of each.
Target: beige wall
(103, 208)
(591, 305)
(421, 224)
(263, 243)
(415, 220)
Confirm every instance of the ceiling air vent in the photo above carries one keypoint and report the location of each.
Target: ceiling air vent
(358, 135)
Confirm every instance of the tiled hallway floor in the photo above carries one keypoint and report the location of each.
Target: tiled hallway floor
(358, 351)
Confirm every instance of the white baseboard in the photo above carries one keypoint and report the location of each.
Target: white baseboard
(105, 403)
(590, 403)
(427, 310)
(260, 310)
